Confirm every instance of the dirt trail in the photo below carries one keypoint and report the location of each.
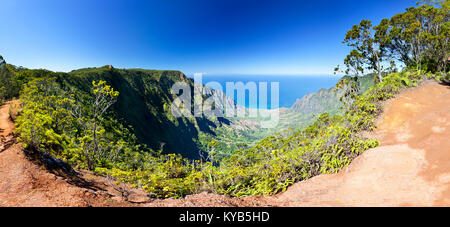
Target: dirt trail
(411, 168)
(6, 126)
(24, 183)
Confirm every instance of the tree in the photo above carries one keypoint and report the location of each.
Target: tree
(45, 120)
(436, 26)
(421, 35)
(212, 154)
(418, 37)
(2, 61)
(9, 85)
(369, 48)
(104, 98)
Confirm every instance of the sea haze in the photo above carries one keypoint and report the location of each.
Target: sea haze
(291, 87)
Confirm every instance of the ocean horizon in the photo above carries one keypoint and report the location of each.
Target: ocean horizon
(291, 87)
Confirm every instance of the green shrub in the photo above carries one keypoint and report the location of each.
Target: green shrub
(48, 124)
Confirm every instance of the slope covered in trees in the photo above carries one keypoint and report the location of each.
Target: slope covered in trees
(143, 108)
(245, 132)
(9, 84)
(144, 105)
(327, 100)
(117, 122)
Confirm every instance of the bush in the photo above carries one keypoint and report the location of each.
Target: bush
(326, 146)
(48, 124)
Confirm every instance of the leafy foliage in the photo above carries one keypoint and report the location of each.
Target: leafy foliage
(74, 116)
(52, 121)
(9, 84)
(326, 146)
(417, 38)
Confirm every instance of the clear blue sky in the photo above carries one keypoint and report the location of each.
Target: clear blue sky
(210, 36)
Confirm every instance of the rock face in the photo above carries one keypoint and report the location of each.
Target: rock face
(221, 101)
(145, 105)
(326, 100)
(321, 101)
(411, 168)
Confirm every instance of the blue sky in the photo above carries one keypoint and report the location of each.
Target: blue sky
(209, 36)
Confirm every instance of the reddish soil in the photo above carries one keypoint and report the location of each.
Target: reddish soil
(410, 168)
(25, 183)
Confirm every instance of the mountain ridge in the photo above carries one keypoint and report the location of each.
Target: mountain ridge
(327, 100)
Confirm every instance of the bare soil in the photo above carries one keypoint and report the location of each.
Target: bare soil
(410, 168)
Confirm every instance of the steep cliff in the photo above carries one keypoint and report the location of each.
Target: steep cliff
(327, 100)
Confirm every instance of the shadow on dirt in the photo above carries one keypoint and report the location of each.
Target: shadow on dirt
(445, 82)
(59, 168)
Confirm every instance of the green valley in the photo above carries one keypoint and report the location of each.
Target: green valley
(119, 123)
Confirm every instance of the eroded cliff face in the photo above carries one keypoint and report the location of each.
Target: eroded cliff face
(327, 100)
(324, 100)
(411, 168)
(145, 104)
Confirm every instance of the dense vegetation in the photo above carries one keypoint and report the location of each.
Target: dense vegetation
(143, 108)
(246, 132)
(9, 83)
(116, 122)
(418, 39)
(276, 162)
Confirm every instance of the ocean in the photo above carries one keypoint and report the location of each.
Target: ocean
(291, 88)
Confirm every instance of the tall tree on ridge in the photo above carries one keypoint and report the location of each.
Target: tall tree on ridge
(369, 47)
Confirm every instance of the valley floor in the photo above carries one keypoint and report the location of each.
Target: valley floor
(410, 168)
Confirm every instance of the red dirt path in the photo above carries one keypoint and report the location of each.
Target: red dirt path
(410, 168)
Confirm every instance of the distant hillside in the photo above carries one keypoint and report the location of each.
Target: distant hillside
(248, 131)
(318, 102)
(326, 100)
(144, 108)
(144, 105)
